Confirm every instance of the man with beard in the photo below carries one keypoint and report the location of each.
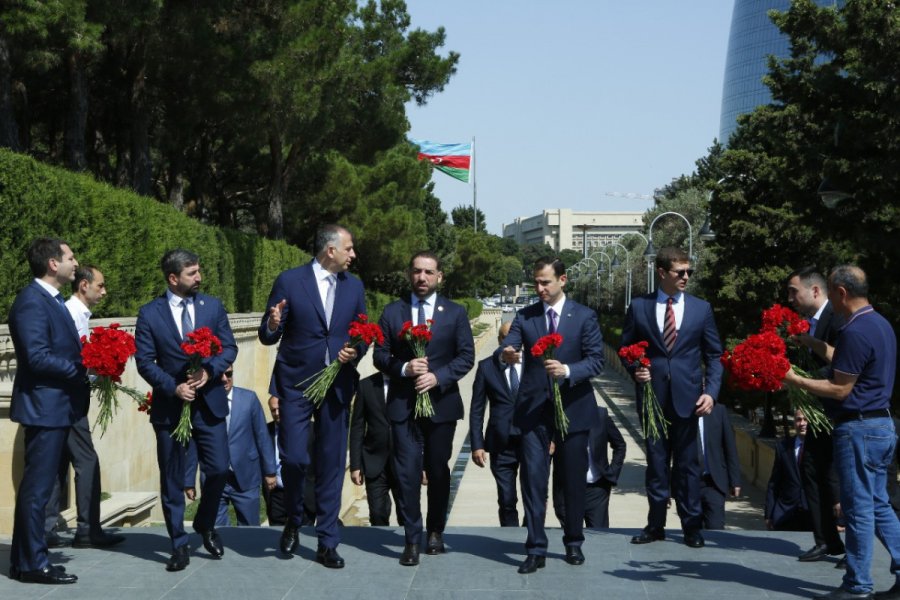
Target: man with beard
(449, 356)
(162, 325)
(808, 295)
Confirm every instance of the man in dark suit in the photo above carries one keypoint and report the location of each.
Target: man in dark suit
(573, 364)
(808, 295)
(50, 392)
(786, 506)
(251, 456)
(683, 341)
(497, 385)
(311, 308)
(370, 449)
(720, 467)
(424, 441)
(602, 474)
(162, 325)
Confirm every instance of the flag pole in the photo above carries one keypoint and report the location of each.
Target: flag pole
(474, 190)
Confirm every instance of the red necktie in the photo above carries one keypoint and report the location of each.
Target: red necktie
(669, 333)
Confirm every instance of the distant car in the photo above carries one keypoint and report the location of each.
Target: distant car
(509, 308)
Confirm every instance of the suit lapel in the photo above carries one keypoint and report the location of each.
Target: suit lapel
(498, 374)
(165, 316)
(650, 315)
(309, 283)
(55, 305)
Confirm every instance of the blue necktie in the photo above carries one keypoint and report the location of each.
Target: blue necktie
(187, 325)
(552, 314)
(812, 326)
(513, 381)
(421, 315)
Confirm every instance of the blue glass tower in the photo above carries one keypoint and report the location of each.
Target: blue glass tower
(752, 39)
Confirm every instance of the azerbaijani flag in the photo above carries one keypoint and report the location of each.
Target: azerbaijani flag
(452, 159)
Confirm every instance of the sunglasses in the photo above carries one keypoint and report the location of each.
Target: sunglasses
(682, 272)
(229, 374)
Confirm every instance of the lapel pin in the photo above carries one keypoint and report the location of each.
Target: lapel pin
(201, 303)
(568, 314)
(440, 309)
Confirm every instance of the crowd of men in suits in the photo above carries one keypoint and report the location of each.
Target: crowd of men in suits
(392, 449)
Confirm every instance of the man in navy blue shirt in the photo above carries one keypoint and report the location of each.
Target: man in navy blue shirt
(861, 379)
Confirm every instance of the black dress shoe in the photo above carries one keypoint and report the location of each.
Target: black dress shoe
(329, 557)
(532, 563)
(435, 544)
(574, 555)
(180, 559)
(410, 556)
(649, 534)
(815, 553)
(49, 575)
(212, 542)
(842, 594)
(693, 539)
(842, 564)
(97, 540)
(289, 539)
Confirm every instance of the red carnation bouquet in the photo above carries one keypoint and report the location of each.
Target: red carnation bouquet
(543, 349)
(760, 362)
(361, 332)
(201, 343)
(106, 353)
(653, 421)
(418, 337)
(146, 404)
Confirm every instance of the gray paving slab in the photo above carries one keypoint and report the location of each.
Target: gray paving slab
(480, 563)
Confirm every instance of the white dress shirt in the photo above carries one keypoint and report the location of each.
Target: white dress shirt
(558, 309)
(176, 308)
(322, 276)
(81, 314)
(662, 300)
(430, 301)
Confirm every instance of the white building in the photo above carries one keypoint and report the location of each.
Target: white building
(564, 228)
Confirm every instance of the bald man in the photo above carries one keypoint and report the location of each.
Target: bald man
(497, 383)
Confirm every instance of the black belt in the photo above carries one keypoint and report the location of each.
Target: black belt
(863, 415)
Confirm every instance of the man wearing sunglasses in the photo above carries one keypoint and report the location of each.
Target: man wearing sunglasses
(684, 351)
(251, 456)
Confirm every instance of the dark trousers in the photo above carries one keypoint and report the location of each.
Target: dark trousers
(211, 438)
(81, 454)
(43, 453)
(330, 451)
(712, 502)
(682, 478)
(817, 474)
(571, 461)
(504, 468)
(533, 451)
(245, 503)
(379, 490)
(596, 503)
(419, 444)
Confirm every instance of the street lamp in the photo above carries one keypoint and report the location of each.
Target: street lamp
(647, 256)
(830, 195)
(650, 252)
(627, 270)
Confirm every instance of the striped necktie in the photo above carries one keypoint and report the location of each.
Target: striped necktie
(669, 333)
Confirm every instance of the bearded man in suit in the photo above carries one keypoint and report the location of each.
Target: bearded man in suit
(162, 325)
(424, 441)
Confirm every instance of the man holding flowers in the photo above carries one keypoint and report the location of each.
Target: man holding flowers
(49, 393)
(861, 380)
(682, 341)
(311, 308)
(424, 402)
(551, 381)
(163, 324)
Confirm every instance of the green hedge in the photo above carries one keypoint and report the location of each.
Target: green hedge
(473, 306)
(125, 235)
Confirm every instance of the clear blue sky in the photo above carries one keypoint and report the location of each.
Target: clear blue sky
(572, 99)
